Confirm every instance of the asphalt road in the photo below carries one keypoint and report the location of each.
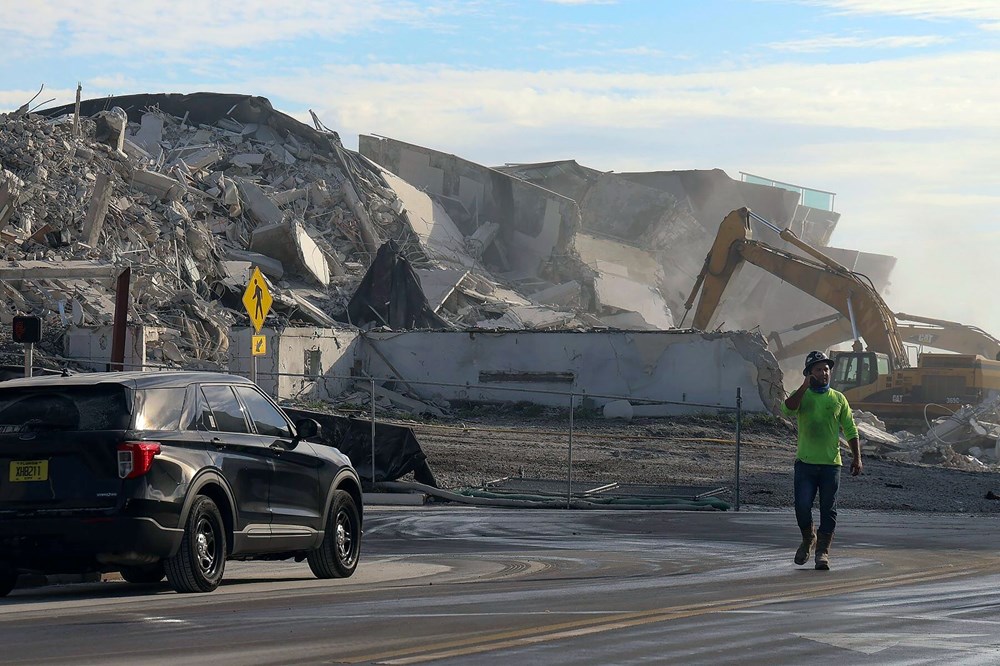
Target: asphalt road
(491, 586)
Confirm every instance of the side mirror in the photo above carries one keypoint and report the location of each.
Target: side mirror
(306, 428)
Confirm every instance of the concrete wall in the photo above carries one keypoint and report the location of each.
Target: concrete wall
(91, 346)
(282, 371)
(687, 367)
(533, 221)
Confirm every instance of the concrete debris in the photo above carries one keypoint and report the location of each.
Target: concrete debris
(192, 191)
(291, 245)
(967, 439)
(174, 186)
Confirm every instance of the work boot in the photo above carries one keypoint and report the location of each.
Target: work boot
(823, 551)
(805, 548)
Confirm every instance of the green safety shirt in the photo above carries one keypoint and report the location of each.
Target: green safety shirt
(821, 417)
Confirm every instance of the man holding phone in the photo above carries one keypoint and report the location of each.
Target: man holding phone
(821, 412)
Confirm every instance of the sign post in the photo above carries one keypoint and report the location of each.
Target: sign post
(257, 301)
(27, 330)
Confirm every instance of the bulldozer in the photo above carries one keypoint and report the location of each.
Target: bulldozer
(875, 376)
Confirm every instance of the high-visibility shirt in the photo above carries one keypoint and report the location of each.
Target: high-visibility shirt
(821, 417)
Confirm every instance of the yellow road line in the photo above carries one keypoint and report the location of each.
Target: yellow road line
(563, 630)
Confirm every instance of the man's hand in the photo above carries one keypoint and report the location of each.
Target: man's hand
(856, 466)
(793, 401)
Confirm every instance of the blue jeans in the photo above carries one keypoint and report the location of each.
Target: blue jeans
(809, 479)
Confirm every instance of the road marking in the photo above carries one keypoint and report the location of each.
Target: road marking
(163, 620)
(573, 629)
(875, 642)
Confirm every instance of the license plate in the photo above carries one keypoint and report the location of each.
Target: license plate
(29, 470)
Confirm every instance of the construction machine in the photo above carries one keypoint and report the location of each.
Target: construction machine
(913, 330)
(875, 376)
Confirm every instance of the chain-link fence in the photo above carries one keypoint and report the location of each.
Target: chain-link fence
(499, 439)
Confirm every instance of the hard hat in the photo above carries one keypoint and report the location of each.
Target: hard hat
(814, 357)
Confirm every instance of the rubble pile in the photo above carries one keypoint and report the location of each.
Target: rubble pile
(968, 439)
(188, 207)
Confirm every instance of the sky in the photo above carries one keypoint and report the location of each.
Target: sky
(894, 105)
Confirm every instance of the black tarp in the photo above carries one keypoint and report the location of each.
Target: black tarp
(390, 295)
(201, 108)
(397, 451)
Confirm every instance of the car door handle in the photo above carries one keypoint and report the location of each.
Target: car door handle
(218, 442)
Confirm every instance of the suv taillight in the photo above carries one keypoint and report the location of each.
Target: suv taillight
(136, 458)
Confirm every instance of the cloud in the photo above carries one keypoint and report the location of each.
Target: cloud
(583, 2)
(182, 26)
(829, 43)
(974, 10)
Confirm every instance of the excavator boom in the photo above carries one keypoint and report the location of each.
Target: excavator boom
(916, 330)
(825, 279)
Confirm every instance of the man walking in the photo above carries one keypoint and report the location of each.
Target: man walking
(822, 413)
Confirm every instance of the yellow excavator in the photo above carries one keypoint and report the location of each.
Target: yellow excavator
(877, 376)
(913, 329)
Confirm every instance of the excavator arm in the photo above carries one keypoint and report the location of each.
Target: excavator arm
(824, 279)
(913, 329)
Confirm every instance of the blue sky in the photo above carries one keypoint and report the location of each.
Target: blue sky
(892, 104)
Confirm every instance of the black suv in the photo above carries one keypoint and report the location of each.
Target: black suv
(170, 474)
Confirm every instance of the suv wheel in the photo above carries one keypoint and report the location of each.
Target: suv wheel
(337, 556)
(198, 565)
(151, 573)
(8, 579)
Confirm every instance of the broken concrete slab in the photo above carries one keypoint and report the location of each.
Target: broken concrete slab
(298, 253)
(622, 293)
(560, 294)
(438, 233)
(43, 270)
(439, 284)
(247, 159)
(261, 208)
(164, 187)
(99, 202)
(270, 266)
(414, 406)
(201, 159)
(150, 133)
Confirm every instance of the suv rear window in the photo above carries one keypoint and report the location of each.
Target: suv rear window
(98, 407)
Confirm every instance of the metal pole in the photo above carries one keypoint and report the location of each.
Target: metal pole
(253, 363)
(373, 433)
(29, 358)
(739, 419)
(569, 463)
(120, 321)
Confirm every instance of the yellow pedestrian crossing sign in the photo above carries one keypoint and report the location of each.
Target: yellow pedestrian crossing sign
(258, 345)
(257, 299)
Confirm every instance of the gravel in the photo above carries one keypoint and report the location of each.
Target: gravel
(492, 443)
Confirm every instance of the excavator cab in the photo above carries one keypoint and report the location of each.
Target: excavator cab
(854, 369)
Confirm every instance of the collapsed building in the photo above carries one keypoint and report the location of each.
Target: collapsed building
(191, 191)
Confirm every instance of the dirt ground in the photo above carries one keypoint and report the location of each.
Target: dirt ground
(492, 443)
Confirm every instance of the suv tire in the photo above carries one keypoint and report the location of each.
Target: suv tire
(337, 556)
(201, 560)
(143, 575)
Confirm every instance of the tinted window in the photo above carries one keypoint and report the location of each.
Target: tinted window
(98, 407)
(201, 415)
(225, 408)
(159, 409)
(265, 416)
